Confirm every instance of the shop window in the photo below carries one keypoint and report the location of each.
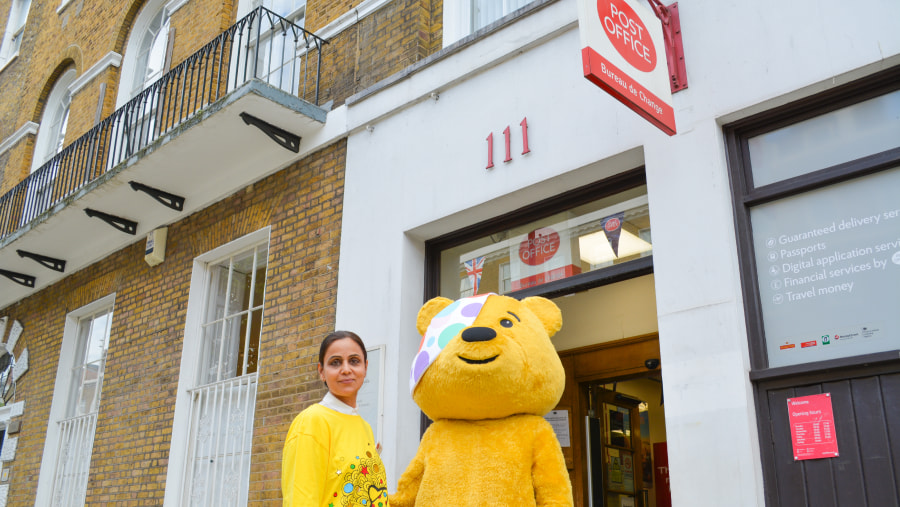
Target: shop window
(15, 30)
(218, 382)
(819, 225)
(76, 402)
(468, 16)
(560, 243)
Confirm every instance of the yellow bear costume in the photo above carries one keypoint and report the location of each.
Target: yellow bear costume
(486, 373)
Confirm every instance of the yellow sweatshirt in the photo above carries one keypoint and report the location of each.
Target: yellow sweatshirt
(330, 460)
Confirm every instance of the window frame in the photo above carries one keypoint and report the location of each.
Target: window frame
(63, 387)
(189, 373)
(745, 196)
(532, 212)
(458, 20)
(13, 33)
(140, 27)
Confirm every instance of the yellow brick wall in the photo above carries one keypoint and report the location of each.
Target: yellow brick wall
(302, 204)
(380, 45)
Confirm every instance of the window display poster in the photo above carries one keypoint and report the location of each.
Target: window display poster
(828, 268)
(559, 420)
(661, 474)
(543, 255)
(812, 427)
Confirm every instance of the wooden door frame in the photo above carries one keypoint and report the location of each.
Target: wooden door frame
(618, 360)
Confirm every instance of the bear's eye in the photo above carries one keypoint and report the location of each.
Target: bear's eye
(506, 323)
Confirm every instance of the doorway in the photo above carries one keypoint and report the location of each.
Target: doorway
(615, 448)
(619, 441)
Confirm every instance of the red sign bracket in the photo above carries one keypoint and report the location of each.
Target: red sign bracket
(671, 23)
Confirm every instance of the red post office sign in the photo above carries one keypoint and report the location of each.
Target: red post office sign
(812, 427)
(623, 52)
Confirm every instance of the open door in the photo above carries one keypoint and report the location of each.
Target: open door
(614, 452)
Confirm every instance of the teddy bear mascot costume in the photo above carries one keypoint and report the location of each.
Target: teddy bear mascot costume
(486, 373)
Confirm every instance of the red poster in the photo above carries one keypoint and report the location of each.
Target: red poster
(812, 427)
(661, 475)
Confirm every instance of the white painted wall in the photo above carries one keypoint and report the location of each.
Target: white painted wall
(419, 171)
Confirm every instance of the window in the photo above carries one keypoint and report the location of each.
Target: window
(150, 66)
(468, 16)
(586, 236)
(217, 387)
(76, 402)
(50, 140)
(151, 57)
(819, 225)
(277, 60)
(15, 29)
(144, 62)
(230, 333)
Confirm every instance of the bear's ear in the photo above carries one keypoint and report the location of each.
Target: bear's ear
(546, 311)
(428, 311)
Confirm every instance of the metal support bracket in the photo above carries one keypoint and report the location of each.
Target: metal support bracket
(284, 138)
(19, 278)
(122, 224)
(47, 262)
(671, 24)
(166, 199)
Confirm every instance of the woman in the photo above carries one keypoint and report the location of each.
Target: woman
(330, 457)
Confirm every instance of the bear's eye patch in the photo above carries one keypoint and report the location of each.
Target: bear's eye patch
(506, 323)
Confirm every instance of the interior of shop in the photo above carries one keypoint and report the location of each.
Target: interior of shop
(612, 414)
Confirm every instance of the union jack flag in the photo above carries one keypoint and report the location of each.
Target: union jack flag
(474, 268)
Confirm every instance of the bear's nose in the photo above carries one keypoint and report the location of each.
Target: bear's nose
(478, 334)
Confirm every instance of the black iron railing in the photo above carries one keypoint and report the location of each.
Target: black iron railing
(261, 45)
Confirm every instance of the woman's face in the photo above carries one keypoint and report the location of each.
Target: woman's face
(344, 369)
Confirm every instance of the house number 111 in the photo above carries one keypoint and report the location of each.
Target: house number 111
(506, 136)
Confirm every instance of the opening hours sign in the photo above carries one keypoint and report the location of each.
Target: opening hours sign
(624, 53)
(812, 427)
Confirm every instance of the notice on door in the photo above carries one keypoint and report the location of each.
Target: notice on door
(828, 268)
(812, 427)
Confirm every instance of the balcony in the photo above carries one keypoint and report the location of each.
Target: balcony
(242, 107)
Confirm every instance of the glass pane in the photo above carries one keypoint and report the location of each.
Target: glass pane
(22, 13)
(209, 361)
(218, 289)
(593, 236)
(88, 392)
(99, 338)
(853, 132)
(828, 268)
(620, 472)
(152, 55)
(252, 348)
(618, 424)
(284, 8)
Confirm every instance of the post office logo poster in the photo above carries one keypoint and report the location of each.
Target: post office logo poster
(539, 247)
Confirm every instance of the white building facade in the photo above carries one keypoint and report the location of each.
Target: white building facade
(420, 199)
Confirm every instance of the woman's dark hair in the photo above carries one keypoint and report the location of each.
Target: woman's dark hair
(339, 335)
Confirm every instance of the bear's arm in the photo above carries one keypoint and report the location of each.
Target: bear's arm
(408, 486)
(551, 479)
